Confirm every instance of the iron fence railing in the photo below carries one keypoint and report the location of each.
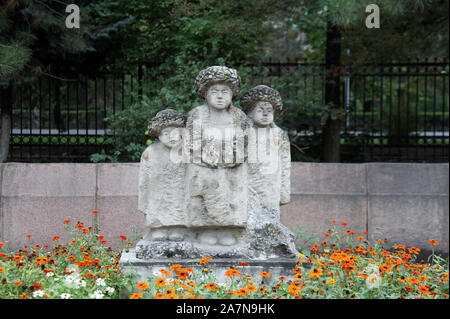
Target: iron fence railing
(390, 112)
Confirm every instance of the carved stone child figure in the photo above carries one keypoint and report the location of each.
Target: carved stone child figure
(217, 188)
(269, 154)
(269, 166)
(162, 179)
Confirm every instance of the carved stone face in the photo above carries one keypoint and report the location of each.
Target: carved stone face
(262, 114)
(219, 96)
(170, 137)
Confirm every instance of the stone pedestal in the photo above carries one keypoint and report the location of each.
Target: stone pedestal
(277, 267)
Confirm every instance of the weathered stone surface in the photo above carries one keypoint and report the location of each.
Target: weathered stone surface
(408, 178)
(151, 267)
(316, 213)
(42, 217)
(55, 179)
(37, 198)
(410, 219)
(117, 202)
(118, 179)
(328, 178)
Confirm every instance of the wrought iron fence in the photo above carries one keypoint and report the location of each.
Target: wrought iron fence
(391, 112)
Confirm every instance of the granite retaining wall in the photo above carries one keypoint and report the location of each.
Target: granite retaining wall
(405, 203)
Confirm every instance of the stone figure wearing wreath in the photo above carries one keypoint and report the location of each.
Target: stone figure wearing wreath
(217, 188)
(162, 179)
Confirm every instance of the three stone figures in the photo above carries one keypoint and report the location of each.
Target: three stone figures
(213, 183)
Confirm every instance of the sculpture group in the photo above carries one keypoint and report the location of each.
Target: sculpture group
(213, 183)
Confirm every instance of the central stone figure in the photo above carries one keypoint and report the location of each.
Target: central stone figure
(216, 177)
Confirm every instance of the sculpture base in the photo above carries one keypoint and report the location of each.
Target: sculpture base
(144, 268)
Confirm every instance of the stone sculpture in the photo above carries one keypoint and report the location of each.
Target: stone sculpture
(221, 200)
(269, 166)
(161, 180)
(217, 190)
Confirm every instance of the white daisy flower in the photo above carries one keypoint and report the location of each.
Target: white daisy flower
(38, 293)
(100, 282)
(97, 294)
(110, 290)
(65, 295)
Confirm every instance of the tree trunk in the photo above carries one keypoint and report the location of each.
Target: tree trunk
(5, 131)
(331, 147)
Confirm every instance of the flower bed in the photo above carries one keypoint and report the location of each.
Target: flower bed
(86, 268)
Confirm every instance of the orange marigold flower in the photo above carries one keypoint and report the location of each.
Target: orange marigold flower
(315, 273)
(143, 285)
(136, 295)
(66, 221)
(344, 224)
(294, 290)
(1, 244)
(159, 296)
(170, 291)
(264, 274)
(55, 238)
(165, 272)
(161, 282)
(182, 274)
(251, 288)
(424, 290)
(384, 268)
(433, 242)
(414, 250)
(282, 278)
(413, 281)
(29, 236)
(205, 260)
(23, 296)
(175, 267)
(211, 286)
(360, 238)
(232, 272)
(17, 283)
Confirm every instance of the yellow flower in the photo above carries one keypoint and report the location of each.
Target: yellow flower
(331, 282)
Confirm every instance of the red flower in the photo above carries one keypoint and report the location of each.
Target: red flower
(66, 221)
(55, 238)
(95, 212)
(123, 237)
(29, 236)
(344, 224)
(37, 286)
(243, 263)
